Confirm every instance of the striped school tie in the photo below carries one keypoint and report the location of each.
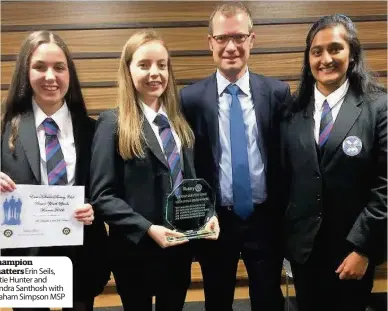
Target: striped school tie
(326, 124)
(170, 149)
(56, 165)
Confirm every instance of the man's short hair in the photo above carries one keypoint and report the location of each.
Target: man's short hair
(230, 9)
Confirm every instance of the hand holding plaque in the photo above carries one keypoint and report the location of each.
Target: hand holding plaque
(188, 209)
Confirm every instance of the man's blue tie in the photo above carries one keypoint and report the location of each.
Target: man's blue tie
(55, 162)
(170, 149)
(242, 192)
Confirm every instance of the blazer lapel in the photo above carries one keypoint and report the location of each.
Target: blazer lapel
(347, 115)
(153, 143)
(78, 132)
(211, 117)
(261, 105)
(29, 142)
(304, 124)
(188, 167)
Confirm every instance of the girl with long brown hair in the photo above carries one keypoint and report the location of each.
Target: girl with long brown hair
(46, 139)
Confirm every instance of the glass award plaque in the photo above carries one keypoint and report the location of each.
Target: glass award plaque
(188, 208)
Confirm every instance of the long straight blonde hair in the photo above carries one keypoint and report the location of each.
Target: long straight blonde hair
(130, 117)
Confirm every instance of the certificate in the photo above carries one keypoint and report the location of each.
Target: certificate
(33, 216)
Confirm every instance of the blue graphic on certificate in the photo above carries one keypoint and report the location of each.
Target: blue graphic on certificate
(12, 210)
(33, 216)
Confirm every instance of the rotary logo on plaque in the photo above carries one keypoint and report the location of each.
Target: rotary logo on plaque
(198, 188)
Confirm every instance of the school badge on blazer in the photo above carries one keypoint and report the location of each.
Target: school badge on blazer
(352, 146)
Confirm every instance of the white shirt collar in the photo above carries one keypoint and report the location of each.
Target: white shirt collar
(151, 114)
(242, 83)
(61, 116)
(333, 98)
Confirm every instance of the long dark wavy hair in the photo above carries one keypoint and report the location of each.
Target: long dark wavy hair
(360, 79)
(19, 98)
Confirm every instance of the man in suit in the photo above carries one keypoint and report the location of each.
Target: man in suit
(233, 116)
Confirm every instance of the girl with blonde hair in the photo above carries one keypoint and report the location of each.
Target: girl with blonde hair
(141, 151)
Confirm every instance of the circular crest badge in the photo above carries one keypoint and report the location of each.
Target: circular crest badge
(352, 146)
(66, 231)
(7, 233)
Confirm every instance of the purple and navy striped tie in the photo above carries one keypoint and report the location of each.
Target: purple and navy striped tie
(56, 165)
(326, 124)
(170, 149)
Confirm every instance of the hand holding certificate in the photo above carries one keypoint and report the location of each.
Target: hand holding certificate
(33, 216)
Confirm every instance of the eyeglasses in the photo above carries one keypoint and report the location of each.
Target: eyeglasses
(237, 38)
